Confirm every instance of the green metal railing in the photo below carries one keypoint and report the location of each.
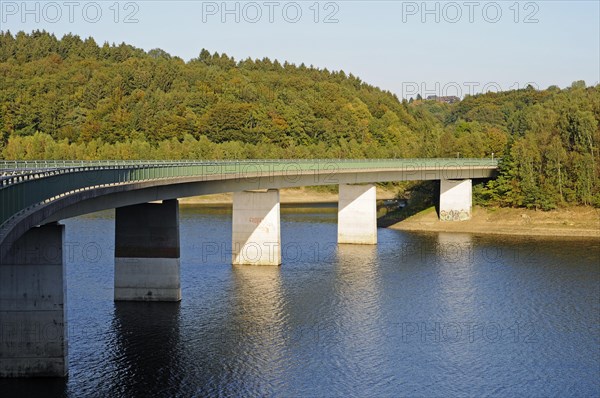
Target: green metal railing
(24, 184)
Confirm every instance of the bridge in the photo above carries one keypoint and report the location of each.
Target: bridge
(36, 195)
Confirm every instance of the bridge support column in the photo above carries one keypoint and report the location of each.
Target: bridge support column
(357, 214)
(147, 252)
(455, 200)
(256, 232)
(33, 323)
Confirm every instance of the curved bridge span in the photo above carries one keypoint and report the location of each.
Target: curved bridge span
(35, 195)
(38, 192)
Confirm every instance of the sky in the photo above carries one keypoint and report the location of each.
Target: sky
(406, 47)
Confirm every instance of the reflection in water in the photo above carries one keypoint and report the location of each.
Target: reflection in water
(357, 283)
(450, 335)
(455, 256)
(258, 330)
(358, 325)
(337, 320)
(146, 349)
(46, 387)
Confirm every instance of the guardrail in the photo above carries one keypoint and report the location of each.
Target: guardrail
(24, 184)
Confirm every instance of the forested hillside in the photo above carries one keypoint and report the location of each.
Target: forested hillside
(72, 98)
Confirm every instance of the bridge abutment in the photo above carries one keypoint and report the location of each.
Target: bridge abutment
(456, 199)
(33, 323)
(147, 252)
(357, 214)
(256, 228)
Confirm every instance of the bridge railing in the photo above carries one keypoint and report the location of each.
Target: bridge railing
(25, 184)
(12, 172)
(31, 166)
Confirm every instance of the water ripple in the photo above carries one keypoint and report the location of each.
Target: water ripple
(419, 315)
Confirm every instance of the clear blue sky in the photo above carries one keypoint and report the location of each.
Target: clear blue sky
(392, 44)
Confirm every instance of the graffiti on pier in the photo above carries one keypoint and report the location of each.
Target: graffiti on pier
(455, 215)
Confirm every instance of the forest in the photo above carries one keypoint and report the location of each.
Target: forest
(71, 98)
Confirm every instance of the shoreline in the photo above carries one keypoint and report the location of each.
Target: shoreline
(288, 196)
(576, 222)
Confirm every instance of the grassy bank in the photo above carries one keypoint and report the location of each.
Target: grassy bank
(571, 222)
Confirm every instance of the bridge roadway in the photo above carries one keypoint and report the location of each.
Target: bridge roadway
(35, 195)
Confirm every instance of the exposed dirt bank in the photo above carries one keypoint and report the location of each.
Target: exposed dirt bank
(577, 222)
(292, 195)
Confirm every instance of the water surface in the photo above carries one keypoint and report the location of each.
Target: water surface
(417, 315)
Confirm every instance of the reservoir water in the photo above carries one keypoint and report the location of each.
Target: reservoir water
(426, 315)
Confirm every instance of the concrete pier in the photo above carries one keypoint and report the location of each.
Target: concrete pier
(455, 200)
(256, 231)
(147, 252)
(33, 323)
(357, 214)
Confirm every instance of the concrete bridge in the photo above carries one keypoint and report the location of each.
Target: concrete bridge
(36, 195)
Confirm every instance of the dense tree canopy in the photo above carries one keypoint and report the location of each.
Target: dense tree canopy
(72, 98)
